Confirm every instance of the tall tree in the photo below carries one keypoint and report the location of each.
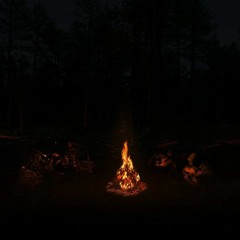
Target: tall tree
(13, 15)
(198, 28)
(38, 21)
(87, 12)
(13, 27)
(192, 29)
(147, 22)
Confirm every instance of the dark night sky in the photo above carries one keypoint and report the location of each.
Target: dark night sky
(62, 11)
(227, 17)
(226, 14)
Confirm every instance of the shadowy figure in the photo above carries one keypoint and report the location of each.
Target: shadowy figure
(196, 169)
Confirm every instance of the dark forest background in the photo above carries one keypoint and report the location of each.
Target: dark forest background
(143, 62)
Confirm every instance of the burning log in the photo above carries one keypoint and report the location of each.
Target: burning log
(127, 181)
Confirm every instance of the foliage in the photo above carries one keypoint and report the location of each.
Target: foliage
(149, 60)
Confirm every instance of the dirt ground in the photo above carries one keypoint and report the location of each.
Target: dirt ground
(79, 204)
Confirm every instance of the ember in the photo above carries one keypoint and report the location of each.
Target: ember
(127, 180)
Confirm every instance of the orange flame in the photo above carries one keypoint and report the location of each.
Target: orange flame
(126, 175)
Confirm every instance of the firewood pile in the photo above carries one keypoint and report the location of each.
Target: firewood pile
(113, 187)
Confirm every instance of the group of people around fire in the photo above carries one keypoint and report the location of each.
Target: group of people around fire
(192, 166)
(57, 161)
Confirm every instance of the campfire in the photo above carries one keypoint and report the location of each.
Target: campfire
(127, 181)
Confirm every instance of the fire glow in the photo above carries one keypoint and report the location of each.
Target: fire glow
(127, 181)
